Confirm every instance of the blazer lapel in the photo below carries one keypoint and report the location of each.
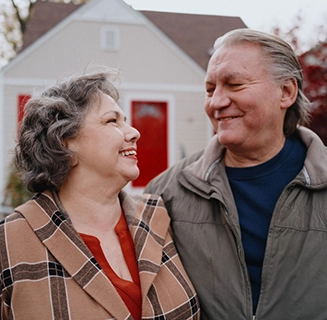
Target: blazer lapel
(149, 223)
(56, 232)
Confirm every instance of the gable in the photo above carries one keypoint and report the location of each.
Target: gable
(182, 29)
(72, 40)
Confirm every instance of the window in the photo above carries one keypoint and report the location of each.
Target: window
(110, 40)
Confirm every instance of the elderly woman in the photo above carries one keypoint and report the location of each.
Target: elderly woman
(82, 248)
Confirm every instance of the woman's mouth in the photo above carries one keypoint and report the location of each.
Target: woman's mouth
(128, 153)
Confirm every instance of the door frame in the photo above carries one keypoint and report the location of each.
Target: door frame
(153, 97)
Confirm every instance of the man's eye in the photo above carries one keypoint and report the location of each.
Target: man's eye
(112, 121)
(210, 91)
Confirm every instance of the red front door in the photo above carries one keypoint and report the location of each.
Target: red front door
(150, 118)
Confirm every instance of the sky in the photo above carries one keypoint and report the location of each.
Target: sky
(261, 15)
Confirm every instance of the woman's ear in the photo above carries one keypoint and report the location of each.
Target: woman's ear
(74, 160)
(73, 157)
(289, 93)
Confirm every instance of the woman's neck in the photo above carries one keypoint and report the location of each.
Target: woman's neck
(91, 211)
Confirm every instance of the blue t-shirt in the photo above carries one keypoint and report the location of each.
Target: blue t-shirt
(256, 191)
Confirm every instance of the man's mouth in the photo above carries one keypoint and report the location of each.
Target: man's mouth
(225, 119)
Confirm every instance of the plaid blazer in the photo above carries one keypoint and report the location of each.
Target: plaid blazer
(47, 272)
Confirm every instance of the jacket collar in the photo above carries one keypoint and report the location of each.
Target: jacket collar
(55, 230)
(197, 176)
(315, 165)
(212, 155)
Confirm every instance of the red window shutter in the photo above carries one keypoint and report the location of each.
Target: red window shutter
(22, 100)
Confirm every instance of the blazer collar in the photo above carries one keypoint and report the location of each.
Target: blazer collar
(149, 224)
(55, 231)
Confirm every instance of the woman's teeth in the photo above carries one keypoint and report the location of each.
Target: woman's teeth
(128, 153)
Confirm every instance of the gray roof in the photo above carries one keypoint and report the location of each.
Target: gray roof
(194, 33)
(44, 16)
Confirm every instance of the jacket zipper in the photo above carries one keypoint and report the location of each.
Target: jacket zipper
(287, 190)
(240, 254)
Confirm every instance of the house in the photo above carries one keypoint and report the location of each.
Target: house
(162, 59)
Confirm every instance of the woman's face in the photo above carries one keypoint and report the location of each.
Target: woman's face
(105, 147)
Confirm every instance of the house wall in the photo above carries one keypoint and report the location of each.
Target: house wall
(142, 57)
(150, 66)
(8, 129)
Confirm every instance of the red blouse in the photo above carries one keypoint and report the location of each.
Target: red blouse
(130, 292)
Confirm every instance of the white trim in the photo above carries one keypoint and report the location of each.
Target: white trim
(37, 82)
(128, 98)
(2, 153)
(87, 14)
(169, 87)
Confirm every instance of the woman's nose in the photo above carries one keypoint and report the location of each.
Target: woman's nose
(132, 134)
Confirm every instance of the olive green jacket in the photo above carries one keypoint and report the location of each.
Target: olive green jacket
(207, 235)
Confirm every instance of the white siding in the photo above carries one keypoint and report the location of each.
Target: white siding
(150, 65)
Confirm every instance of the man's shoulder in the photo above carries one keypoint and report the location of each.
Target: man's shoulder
(169, 177)
(181, 164)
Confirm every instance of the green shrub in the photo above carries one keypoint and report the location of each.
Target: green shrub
(15, 193)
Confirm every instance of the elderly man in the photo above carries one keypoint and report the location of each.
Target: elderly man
(249, 213)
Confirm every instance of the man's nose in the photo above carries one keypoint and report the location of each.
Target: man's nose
(220, 98)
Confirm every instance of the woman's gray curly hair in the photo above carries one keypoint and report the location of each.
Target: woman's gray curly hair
(283, 65)
(41, 156)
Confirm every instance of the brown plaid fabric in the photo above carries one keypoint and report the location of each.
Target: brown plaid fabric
(47, 272)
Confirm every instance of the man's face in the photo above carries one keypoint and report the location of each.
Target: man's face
(243, 104)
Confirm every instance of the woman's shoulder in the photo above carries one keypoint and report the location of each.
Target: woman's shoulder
(12, 219)
(15, 236)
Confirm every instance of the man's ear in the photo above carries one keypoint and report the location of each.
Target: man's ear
(289, 93)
